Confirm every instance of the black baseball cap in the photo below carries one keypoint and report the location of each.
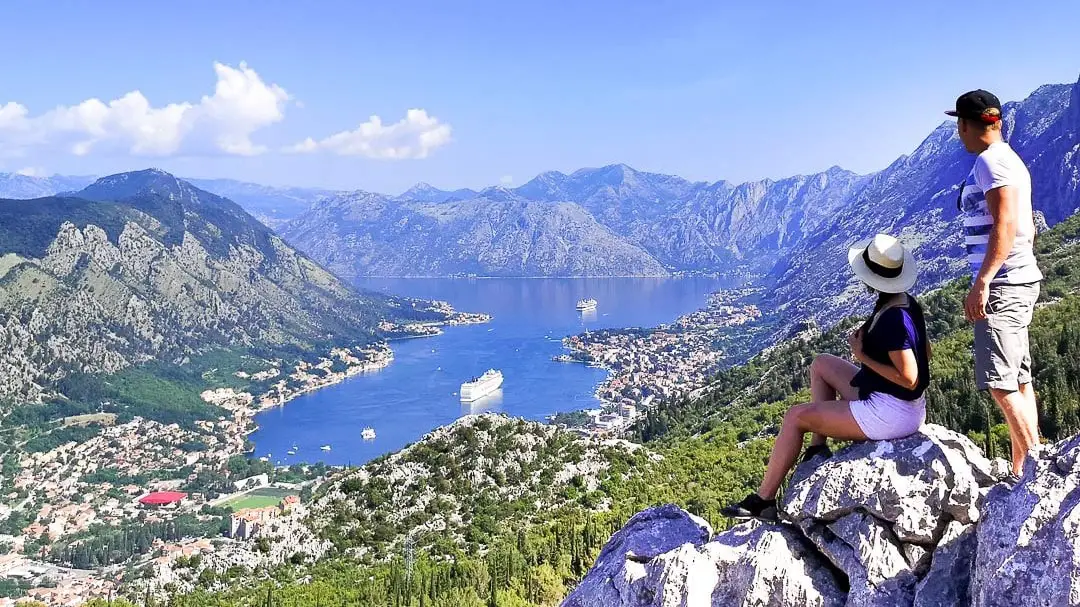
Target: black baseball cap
(978, 105)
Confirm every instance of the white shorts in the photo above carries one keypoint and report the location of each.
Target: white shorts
(883, 416)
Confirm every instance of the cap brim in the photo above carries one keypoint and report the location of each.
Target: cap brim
(901, 284)
(952, 113)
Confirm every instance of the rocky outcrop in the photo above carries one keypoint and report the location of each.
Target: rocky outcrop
(918, 521)
(878, 509)
(1028, 540)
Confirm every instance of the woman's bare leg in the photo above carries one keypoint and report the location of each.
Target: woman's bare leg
(830, 379)
(829, 419)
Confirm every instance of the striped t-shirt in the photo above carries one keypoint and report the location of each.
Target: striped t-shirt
(999, 166)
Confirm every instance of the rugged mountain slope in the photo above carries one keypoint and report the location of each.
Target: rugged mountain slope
(143, 266)
(15, 185)
(498, 234)
(464, 484)
(271, 205)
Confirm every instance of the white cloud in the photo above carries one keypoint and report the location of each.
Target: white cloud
(31, 172)
(412, 137)
(506, 179)
(224, 122)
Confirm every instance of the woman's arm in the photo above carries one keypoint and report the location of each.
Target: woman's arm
(904, 370)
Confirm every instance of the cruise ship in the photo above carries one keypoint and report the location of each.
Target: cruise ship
(479, 387)
(368, 433)
(586, 304)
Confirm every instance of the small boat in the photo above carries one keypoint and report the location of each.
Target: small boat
(291, 452)
(325, 447)
(264, 459)
(368, 433)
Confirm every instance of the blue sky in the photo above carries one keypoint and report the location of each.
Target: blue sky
(506, 89)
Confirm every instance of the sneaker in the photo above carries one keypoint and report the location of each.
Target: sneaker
(1010, 481)
(815, 450)
(752, 506)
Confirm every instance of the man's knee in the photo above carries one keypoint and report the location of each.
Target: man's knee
(1005, 398)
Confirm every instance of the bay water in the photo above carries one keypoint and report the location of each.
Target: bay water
(418, 391)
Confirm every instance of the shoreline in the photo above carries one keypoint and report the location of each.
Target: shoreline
(371, 366)
(600, 277)
(668, 361)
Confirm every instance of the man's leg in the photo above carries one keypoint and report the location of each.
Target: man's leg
(830, 379)
(1018, 406)
(1003, 363)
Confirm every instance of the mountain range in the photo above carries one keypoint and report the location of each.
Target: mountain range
(789, 234)
(143, 266)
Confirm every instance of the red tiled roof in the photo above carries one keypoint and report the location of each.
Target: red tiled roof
(162, 498)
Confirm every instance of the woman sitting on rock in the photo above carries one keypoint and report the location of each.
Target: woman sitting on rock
(878, 400)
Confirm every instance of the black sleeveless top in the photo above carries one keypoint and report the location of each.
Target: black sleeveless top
(897, 327)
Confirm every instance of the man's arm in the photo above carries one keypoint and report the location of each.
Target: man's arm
(1001, 202)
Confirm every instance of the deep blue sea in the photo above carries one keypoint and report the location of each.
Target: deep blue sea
(417, 392)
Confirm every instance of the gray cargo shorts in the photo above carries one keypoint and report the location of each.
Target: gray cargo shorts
(1002, 351)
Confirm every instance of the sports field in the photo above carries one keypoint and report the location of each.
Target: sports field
(259, 498)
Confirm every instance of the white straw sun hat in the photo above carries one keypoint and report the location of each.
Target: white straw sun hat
(884, 264)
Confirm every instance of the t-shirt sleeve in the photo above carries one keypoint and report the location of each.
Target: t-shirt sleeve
(897, 330)
(994, 171)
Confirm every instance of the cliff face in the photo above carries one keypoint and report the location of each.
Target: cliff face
(144, 266)
(364, 234)
(918, 521)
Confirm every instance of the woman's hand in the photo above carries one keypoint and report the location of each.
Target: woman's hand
(855, 341)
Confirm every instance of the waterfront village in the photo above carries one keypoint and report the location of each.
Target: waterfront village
(77, 487)
(139, 474)
(650, 365)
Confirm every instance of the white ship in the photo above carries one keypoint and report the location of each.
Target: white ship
(479, 387)
(586, 304)
(368, 433)
(325, 447)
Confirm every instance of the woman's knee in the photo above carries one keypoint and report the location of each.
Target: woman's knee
(795, 418)
(821, 365)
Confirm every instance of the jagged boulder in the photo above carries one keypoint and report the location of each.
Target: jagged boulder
(618, 576)
(878, 509)
(751, 565)
(1028, 550)
(949, 580)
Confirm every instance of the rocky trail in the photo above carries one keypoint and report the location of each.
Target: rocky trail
(920, 521)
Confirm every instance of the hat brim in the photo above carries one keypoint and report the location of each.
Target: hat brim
(952, 113)
(901, 284)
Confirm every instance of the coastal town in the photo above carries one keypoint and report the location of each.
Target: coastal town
(171, 479)
(651, 365)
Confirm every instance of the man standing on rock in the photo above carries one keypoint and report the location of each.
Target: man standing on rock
(999, 234)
